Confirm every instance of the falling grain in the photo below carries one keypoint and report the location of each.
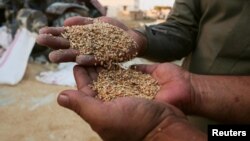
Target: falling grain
(109, 45)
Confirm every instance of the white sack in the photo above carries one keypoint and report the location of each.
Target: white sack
(62, 76)
(14, 61)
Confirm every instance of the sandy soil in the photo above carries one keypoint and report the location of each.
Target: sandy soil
(29, 112)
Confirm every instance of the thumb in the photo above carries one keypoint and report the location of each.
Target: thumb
(89, 108)
(149, 69)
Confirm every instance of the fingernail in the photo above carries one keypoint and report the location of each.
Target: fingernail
(42, 30)
(63, 100)
(134, 67)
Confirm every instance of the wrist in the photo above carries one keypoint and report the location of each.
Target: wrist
(192, 99)
(175, 129)
(214, 94)
(196, 96)
(141, 40)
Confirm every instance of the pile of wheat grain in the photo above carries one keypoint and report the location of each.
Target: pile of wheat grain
(110, 44)
(120, 82)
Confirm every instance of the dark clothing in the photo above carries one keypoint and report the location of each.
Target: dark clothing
(215, 32)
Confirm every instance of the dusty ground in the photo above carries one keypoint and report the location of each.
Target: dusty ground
(29, 112)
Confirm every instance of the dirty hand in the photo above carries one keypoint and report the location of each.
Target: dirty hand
(128, 119)
(51, 37)
(175, 84)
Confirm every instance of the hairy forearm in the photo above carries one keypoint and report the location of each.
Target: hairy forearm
(181, 130)
(222, 98)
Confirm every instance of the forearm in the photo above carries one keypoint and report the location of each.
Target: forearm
(177, 131)
(222, 98)
(176, 37)
(167, 42)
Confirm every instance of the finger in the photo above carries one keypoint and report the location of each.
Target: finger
(92, 73)
(88, 60)
(89, 108)
(78, 20)
(113, 22)
(140, 40)
(149, 69)
(55, 31)
(167, 97)
(53, 42)
(83, 80)
(65, 55)
(99, 69)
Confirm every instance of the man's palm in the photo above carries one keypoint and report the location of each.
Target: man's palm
(175, 85)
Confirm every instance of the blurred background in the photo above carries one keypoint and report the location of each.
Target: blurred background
(29, 83)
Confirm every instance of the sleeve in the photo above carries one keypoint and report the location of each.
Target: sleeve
(176, 37)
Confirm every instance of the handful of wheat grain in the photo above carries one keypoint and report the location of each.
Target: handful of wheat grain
(106, 42)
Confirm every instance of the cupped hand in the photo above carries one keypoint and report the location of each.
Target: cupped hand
(51, 37)
(128, 119)
(175, 85)
(123, 119)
